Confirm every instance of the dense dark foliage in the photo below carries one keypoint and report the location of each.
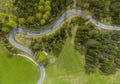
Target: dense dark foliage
(32, 13)
(102, 48)
(36, 13)
(59, 5)
(108, 10)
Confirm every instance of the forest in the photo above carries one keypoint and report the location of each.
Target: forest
(106, 11)
(37, 13)
(102, 48)
(32, 14)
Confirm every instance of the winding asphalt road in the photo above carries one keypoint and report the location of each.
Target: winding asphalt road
(48, 29)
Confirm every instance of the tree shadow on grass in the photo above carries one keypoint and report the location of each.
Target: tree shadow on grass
(56, 52)
(10, 56)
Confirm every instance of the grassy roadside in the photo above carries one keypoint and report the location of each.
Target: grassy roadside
(69, 69)
(66, 68)
(17, 70)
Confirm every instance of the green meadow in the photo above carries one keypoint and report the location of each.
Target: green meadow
(69, 69)
(17, 70)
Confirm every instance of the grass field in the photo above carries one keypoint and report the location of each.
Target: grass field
(17, 70)
(65, 70)
(69, 69)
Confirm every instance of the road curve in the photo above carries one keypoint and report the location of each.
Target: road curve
(40, 65)
(50, 28)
